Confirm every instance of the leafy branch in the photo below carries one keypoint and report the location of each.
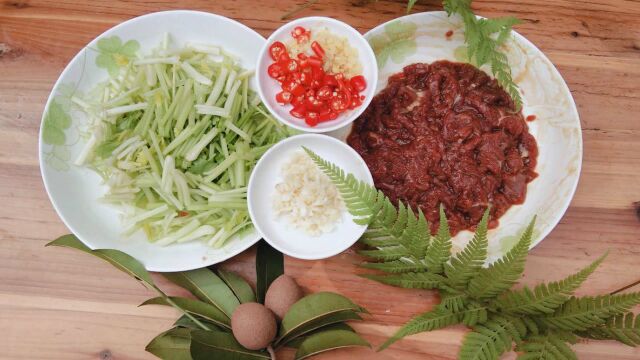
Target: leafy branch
(312, 325)
(542, 323)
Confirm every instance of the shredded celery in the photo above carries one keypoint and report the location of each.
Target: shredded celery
(175, 136)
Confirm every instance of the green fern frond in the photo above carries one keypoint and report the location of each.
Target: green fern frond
(416, 237)
(386, 254)
(544, 299)
(465, 264)
(502, 274)
(437, 318)
(397, 266)
(356, 194)
(624, 328)
(376, 237)
(474, 314)
(454, 302)
(580, 314)
(440, 248)
(489, 340)
(411, 280)
(548, 347)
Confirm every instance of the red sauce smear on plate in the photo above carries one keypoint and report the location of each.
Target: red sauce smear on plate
(530, 118)
(449, 33)
(446, 133)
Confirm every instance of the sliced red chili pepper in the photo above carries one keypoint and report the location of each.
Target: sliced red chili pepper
(312, 118)
(297, 100)
(297, 90)
(330, 80)
(284, 97)
(314, 61)
(291, 65)
(275, 70)
(276, 49)
(339, 76)
(318, 73)
(317, 49)
(324, 92)
(355, 102)
(298, 31)
(298, 112)
(281, 79)
(315, 84)
(284, 57)
(358, 83)
(313, 103)
(309, 92)
(305, 79)
(338, 105)
(333, 115)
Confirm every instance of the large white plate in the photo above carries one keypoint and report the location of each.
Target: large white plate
(422, 38)
(74, 191)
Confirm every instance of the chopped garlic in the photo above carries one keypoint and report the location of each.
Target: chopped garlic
(307, 197)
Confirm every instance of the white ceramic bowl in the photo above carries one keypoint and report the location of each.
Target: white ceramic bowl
(277, 232)
(268, 87)
(74, 191)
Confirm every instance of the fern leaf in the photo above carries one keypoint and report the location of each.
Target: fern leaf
(466, 264)
(434, 319)
(474, 314)
(547, 347)
(386, 254)
(503, 273)
(624, 328)
(489, 340)
(454, 302)
(440, 248)
(416, 236)
(580, 314)
(544, 299)
(397, 266)
(411, 280)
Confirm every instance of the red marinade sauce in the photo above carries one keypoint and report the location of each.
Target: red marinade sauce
(530, 118)
(446, 133)
(449, 34)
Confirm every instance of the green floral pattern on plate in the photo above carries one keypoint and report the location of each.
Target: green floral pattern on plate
(56, 121)
(396, 43)
(114, 54)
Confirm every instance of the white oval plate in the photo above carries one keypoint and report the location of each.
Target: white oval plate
(74, 191)
(421, 38)
(267, 174)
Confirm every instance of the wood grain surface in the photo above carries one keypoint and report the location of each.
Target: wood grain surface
(59, 304)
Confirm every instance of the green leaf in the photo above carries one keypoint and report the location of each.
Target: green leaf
(437, 318)
(328, 340)
(172, 344)
(440, 248)
(466, 264)
(269, 265)
(386, 254)
(544, 299)
(208, 345)
(547, 347)
(579, 314)
(410, 5)
(185, 321)
(295, 343)
(624, 328)
(313, 325)
(489, 340)
(238, 285)
(313, 309)
(397, 266)
(422, 280)
(502, 274)
(120, 260)
(194, 307)
(206, 286)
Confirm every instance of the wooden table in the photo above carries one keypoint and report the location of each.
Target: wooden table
(60, 304)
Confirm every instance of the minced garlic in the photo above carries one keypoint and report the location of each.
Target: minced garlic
(340, 56)
(307, 197)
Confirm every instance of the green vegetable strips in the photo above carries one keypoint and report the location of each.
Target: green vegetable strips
(175, 136)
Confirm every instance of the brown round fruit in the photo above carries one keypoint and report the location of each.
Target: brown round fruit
(253, 325)
(282, 293)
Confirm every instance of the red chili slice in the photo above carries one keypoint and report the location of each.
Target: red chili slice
(275, 70)
(297, 100)
(298, 31)
(338, 105)
(291, 65)
(317, 49)
(318, 73)
(312, 118)
(329, 80)
(276, 49)
(306, 79)
(284, 97)
(298, 112)
(314, 61)
(297, 90)
(355, 102)
(324, 92)
(315, 84)
(313, 103)
(358, 83)
(284, 57)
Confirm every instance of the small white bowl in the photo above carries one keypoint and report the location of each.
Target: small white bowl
(276, 231)
(268, 87)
